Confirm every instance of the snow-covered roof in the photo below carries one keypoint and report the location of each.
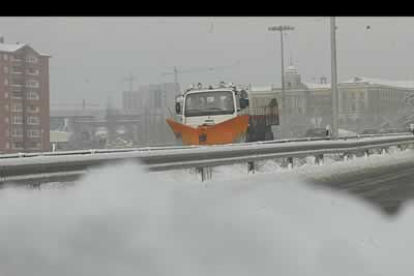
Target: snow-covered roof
(260, 88)
(404, 84)
(374, 81)
(317, 85)
(10, 47)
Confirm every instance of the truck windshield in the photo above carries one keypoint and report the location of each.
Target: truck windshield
(209, 103)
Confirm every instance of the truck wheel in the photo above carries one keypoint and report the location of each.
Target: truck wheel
(268, 134)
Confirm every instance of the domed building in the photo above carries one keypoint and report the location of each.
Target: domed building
(292, 78)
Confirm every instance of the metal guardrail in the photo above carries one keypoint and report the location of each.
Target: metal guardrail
(61, 167)
(278, 141)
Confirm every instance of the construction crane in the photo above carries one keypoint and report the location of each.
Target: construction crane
(130, 80)
(175, 71)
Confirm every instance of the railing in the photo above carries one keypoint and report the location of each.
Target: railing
(63, 166)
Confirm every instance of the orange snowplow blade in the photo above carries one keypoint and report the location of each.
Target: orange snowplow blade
(223, 133)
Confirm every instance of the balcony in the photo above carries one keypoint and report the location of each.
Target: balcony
(33, 133)
(32, 72)
(32, 109)
(33, 120)
(32, 84)
(32, 95)
(17, 60)
(16, 94)
(16, 70)
(17, 133)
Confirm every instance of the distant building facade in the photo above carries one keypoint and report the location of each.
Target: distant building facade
(154, 103)
(363, 103)
(24, 98)
(87, 129)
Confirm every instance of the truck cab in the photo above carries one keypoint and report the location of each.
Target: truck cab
(216, 113)
(209, 107)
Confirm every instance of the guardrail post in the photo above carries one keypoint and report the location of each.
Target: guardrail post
(366, 153)
(290, 162)
(403, 147)
(250, 167)
(319, 159)
(345, 157)
(205, 173)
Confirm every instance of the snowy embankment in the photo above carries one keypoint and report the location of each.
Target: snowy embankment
(122, 220)
(303, 168)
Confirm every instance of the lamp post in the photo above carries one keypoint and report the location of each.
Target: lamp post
(334, 86)
(281, 29)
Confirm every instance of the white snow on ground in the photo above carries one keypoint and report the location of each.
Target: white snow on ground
(121, 220)
(302, 167)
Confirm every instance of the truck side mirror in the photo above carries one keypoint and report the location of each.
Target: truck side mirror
(178, 108)
(244, 103)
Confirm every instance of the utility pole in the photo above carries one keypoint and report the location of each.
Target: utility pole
(334, 86)
(176, 79)
(281, 29)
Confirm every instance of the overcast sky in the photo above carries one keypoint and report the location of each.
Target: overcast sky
(91, 56)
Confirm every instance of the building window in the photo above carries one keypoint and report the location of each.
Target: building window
(157, 99)
(6, 120)
(31, 59)
(18, 145)
(17, 107)
(17, 82)
(33, 108)
(5, 57)
(16, 70)
(32, 71)
(33, 133)
(17, 94)
(16, 58)
(32, 95)
(17, 120)
(17, 132)
(32, 83)
(6, 95)
(6, 107)
(7, 145)
(6, 69)
(33, 120)
(362, 106)
(34, 145)
(6, 82)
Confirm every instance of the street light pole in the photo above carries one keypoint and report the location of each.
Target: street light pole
(283, 107)
(176, 80)
(334, 86)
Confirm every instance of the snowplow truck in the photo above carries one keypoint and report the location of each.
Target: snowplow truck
(223, 115)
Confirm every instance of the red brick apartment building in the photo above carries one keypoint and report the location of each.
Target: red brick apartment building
(24, 99)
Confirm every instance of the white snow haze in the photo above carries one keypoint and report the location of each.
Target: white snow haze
(148, 224)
